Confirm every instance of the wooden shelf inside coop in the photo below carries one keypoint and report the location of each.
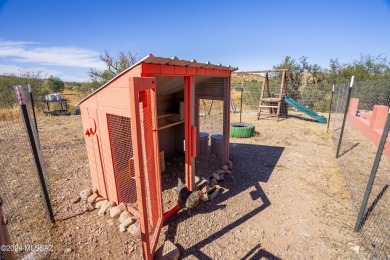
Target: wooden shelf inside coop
(175, 119)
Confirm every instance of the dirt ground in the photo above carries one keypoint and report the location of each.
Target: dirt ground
(285, 198)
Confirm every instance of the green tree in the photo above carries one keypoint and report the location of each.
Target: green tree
(55, 84)
(295, 71)
(114, 66)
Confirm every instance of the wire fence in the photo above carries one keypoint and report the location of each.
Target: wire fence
(314, 97)
(66, 169)
(77, 233)
(364, 124)
(24, 208)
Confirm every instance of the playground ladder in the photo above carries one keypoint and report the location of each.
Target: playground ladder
(270, 100)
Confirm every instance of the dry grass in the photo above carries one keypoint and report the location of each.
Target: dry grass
(7, 114)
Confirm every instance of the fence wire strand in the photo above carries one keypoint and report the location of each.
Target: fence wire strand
(363, 128)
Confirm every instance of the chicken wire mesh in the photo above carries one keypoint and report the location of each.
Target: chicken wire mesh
(20, 187)
(358, 148)
(151, 174)
(210, 146)
(119, 129)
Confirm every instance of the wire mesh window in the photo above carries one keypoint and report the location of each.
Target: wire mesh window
(119, 129)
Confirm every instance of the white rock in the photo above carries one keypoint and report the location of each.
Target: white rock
(214, 194)
(123, 216)
(225, 167)
(221, 171)
(122, 206)
(230, 164)
(135, 229)
(67, 250)
(356, 249)
(105, 208)
(93, 197)
(99, 204)
(216, 176)
(127, 222)
(227, 171)
(122, 228)
(115, 212)
(84, 194)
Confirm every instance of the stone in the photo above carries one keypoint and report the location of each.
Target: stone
(213, 182)
(89, 207)
(227, 171)
(99, 199)
(221, 171)
(67, 250)
(123, 216)
(221, 177)
(135, 230)
(356, 249)
(122, 206)
(167, 251)
(230, 164)
(84, 194)
(213, 192)
(115, 212)
(197, 179)
(76, 200)
(105, 208)
(122, 228)
(99, 204)
(92, 198)
(225, 167)
(216, 176)
(127, 222)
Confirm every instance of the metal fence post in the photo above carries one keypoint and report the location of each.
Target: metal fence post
(242, 90)
(345, 116)
(29, 129)
(32, 105)
(330, 109)
(374, 169)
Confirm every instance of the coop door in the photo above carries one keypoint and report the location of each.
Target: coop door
(146, 160)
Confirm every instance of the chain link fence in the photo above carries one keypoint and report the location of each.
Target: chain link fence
(364, 123)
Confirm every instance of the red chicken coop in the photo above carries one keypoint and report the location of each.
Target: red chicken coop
(159, 120)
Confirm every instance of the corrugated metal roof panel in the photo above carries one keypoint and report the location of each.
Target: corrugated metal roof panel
(174, 61)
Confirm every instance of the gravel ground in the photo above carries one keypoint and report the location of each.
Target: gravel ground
(285, 198)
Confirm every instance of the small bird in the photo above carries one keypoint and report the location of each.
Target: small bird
(186, 198)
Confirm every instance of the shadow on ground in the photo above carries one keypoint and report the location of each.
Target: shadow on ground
(252, 164)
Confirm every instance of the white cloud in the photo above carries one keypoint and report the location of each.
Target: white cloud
(29, 52)
(44, 71)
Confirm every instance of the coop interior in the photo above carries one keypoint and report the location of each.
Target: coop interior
(209, 119)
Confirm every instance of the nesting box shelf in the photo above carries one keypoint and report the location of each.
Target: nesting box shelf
(172, 124)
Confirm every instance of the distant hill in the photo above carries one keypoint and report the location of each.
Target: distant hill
(246, 77)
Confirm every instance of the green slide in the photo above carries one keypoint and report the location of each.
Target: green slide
(318, 117)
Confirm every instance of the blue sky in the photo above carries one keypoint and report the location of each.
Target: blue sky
(64, 38)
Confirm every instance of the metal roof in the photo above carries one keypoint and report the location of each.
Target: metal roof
(174, 61)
